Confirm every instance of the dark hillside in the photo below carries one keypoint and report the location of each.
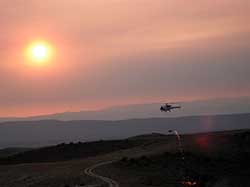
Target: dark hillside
(70, 151)
(226, 143)
(12, 151)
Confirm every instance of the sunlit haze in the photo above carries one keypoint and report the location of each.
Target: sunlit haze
(75, 55)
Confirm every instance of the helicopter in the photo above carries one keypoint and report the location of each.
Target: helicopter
(168, 107)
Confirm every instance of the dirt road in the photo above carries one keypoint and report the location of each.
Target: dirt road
(90, 172)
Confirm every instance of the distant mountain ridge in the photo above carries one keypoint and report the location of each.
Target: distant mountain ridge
(50, 132)
(192, 108)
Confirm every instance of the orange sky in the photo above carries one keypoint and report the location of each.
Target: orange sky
(119, 52)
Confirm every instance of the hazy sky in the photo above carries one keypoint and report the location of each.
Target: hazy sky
(110, 52)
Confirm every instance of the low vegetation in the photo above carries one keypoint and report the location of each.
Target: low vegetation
(62, 152)
(199, 170)
(210, 160)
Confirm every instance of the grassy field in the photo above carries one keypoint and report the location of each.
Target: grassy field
(211, 159)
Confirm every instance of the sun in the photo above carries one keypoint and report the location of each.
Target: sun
(39, 52)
